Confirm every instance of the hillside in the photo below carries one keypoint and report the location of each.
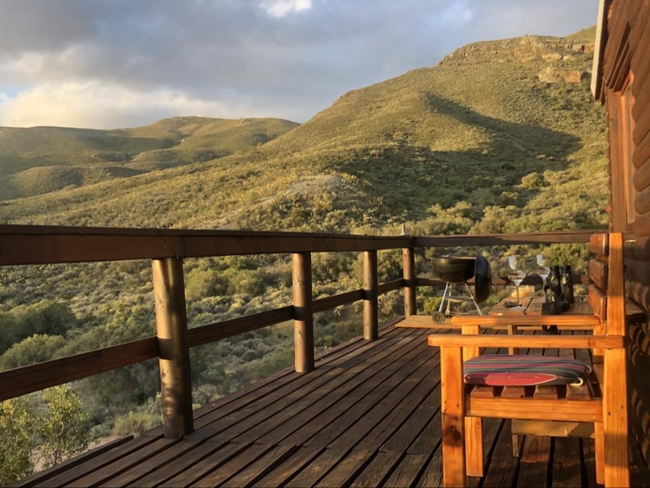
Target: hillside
(40, 160)
(500, 136)
(508, 127)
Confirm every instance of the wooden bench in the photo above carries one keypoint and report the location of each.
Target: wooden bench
(600, 401)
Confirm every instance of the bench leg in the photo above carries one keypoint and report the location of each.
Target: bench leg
(474, 445)
(453, 417)
(616, 443)
(599, 448)
(515, 445)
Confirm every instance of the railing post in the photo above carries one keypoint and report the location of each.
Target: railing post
(408, 263)
(302, 312)
(370, 306)
(173, 350)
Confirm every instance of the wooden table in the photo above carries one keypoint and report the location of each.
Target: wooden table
(534, 305)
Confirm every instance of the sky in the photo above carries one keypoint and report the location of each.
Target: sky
(124, 63)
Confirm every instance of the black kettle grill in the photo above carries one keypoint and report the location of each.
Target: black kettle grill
(457, 272)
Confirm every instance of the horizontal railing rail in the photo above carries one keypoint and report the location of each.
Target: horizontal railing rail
(24, 245)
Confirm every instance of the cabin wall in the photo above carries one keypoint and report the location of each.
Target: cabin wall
(626, 94)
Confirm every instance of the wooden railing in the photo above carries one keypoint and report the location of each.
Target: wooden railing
(21, 245)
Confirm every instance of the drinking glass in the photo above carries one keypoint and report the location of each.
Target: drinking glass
(516, 274)
(543, 267)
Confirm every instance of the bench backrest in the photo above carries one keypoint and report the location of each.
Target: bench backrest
(607, 282)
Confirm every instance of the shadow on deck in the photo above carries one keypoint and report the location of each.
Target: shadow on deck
(367, 416)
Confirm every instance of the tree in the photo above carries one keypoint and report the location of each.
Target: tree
(16, 423)
(66, 430)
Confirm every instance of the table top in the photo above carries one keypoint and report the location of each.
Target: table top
(534, 305)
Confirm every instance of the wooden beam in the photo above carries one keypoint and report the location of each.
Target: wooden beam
(20, 244)
(615, 421)
(206, 334)
(552, 428)
(36, 377)
(408, 266)
(616, 287)
(578, 321)
(576, 237)
(370, 302)
(534, 342)
(390, 286)
(23, 244)
(473, 425)
(334, 301)
(598, 273)
(303, 312)
(598, 302)
(452, 413)
(533, 409)
(599, 244)
(173, 349)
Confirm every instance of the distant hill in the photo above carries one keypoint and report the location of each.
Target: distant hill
(44, 159)
(499, 136)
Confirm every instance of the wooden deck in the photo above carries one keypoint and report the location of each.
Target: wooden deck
(367, 416)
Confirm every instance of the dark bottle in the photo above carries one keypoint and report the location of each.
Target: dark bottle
(567, 284)
(555, 282)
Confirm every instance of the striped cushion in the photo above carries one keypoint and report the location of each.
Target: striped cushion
(521, 370)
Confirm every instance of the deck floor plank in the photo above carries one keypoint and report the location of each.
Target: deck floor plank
(567, 471)
(292, 382)
(205, 466)
(288, 468)
(346, 470)
(301, 394)
(369, 415)
(290, 419)
(71, 463)
(184, 462)
(236, 464)
(99, 476)
(97, 462)
(152, 464)
(432, 475)
(535, 461)
(376, 472)
(317, 469)
(362, 406)
(390, 412)
(270, 460)
(408, 470)
(502, 468)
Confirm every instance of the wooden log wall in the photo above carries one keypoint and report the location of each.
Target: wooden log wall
(626, 94)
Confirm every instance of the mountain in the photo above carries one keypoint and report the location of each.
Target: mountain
(45, 159)
(499, 136)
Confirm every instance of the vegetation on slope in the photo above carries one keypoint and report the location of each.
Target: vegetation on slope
(45, 159)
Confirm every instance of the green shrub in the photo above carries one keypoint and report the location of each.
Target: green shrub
(136, 423)
(16, 442)
(32, 350)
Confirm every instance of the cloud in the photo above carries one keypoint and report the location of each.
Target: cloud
(284, 58)
(106, 106)
(280, 8)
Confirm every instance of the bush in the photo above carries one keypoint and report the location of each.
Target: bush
(135, 423)
(201, 282)
(16, 423)
(46, 317)
(32, 350)
(66, 429)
